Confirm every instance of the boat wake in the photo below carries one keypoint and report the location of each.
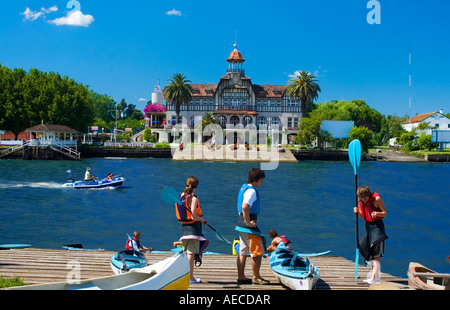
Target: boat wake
(30, 185)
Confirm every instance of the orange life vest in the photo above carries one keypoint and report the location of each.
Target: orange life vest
(184, 215)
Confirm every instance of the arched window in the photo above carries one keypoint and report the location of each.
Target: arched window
(222, 120)
(234, 120)
(261, 121)
(247, 120)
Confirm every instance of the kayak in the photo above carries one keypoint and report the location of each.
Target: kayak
(169, 274)
(126, 260)
(78, 247)
(423, 278)
(99, 183)
(14, 246)
(292, 270)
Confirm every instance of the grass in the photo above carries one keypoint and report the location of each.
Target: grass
(10, 282)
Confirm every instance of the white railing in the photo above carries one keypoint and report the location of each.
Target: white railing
(68, 150)
(50, 142)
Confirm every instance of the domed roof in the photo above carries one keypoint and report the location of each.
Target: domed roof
(235, 56)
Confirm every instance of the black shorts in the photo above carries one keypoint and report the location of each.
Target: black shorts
(378, 249)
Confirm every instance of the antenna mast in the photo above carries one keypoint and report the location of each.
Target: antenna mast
(410, 84)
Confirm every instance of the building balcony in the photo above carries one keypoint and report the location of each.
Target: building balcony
(235, 108)
(241, 71)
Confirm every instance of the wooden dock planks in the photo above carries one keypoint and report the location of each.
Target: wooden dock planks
(218, 272)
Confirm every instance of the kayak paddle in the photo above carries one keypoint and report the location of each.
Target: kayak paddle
(354, 154)
(170, 195)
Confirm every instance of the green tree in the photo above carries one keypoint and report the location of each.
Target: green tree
(364, 135)
(178, 91)
(392, 127)
(305, 87)
(308, 129)
(148, 136)
(425, 143)
(104, 106)
(28, 99)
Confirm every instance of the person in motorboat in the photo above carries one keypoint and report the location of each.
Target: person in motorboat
(371, 246)
(110, 176)
(135, 244)
(276, 239)
(190, 216)
(87, 175)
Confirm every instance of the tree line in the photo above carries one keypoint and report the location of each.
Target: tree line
(34, 97)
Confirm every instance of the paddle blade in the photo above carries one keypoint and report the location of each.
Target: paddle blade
(356, 265)
(354, 154)
(170, 195)
(221, 237)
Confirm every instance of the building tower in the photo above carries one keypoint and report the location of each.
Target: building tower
(235, 62)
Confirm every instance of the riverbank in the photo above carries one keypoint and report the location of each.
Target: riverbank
(201, 153)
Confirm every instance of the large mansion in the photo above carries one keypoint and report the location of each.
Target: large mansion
(235, 100)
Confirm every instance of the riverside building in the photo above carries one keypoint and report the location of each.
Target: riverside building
(239, 105)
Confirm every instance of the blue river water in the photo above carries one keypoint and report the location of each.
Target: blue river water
(311, 202)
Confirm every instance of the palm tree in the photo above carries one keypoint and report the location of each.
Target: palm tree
(305, 87)
(178, 91)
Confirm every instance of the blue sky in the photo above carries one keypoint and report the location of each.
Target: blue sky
(123, 48)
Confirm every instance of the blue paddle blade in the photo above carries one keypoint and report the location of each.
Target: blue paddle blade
(170, 195)
(356, 265)
(354, 154)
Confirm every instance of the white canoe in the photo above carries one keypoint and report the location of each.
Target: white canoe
(292, 270)
(169, 274)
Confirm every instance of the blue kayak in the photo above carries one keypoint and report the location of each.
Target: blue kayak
(292, 270)
(14, 246)
(128, 259)
(99, 183)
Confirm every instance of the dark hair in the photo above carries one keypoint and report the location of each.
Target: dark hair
(273, 233)
(255, 174)
(363, 191)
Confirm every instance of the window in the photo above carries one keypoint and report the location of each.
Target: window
(261, 121)
(247, 120)
(234, 120)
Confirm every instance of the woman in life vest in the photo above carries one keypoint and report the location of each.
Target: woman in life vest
(276, 239)
(372, 209)
(191, 218)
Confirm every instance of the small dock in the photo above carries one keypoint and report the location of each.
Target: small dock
(218, 272)
(227, 153)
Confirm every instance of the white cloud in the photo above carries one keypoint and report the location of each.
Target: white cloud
(319, 72)
(33, 15)
(76, 18)
(143, 99)
(50, 9)
(174, 12)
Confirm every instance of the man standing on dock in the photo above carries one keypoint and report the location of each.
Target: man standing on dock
(251, 239)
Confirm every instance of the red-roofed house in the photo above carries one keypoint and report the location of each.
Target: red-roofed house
(434, 119)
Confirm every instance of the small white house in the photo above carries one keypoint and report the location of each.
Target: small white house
(437, 120)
